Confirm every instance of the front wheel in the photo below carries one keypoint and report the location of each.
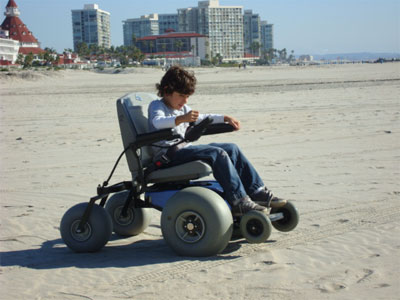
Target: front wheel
(290, 217)
(196, 222)
(255, 227)
(134, 222)
(94, 234)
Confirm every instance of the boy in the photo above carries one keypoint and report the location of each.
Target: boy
(243, 187)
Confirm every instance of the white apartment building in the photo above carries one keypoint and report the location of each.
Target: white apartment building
(91, 25)
(222, 24)
(140, 27)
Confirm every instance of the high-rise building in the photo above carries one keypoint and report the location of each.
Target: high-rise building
(267, 36)
(91, 25)
(252, 32)
(188, 19)
(222, 24)
(140, 27)
(168, 23)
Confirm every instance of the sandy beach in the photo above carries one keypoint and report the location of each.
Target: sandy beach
(325, 137)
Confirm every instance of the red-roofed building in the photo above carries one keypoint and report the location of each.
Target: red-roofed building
(67, 58)
(18, 31)
(251, 56)
(174, 44)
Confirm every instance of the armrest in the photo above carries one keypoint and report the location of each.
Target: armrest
(194, 132)
(218, 128)
(146, 139)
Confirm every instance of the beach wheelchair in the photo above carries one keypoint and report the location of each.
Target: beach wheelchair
(195, 218)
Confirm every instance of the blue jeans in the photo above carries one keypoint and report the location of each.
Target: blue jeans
(230, 168)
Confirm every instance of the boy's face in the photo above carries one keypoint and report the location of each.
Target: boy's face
(176, 100)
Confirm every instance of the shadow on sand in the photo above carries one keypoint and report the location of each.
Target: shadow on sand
(54, 255)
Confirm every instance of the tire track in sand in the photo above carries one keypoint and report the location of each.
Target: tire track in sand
(356, 218)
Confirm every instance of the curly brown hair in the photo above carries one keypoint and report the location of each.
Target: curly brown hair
(177, 79)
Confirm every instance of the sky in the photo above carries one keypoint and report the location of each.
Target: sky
(305, 26)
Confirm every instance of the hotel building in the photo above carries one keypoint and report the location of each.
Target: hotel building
(8, 48)
(91, 25)
(222, 24)
(252, 33)
(267, 36)
(140, 27)
(13, 29)
(168, 23)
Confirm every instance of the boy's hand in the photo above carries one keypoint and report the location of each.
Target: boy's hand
(232, 121)
(191, 116)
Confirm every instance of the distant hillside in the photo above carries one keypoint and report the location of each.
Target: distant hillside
(356, 56)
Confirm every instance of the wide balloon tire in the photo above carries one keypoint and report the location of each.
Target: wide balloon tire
(136, 219)
(290, 217)
(196, 222)
(255, 227)
(95, 234)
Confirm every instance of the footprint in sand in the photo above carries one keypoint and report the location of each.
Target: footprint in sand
(331, 287)
(383, 285)
(367, 274)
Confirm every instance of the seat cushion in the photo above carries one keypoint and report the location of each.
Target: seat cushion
(188, 171)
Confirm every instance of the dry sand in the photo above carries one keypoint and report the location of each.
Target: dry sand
(327, 137)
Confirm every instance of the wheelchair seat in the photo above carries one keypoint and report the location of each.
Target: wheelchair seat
(132, 115)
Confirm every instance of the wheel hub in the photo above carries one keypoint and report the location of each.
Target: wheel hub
(190, 227)
(254, 227)
(122, 220)
(80, 234)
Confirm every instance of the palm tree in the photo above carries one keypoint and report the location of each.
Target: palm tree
(134, 39)
(193, 47)
(68, 50)
(20, 59)
(178, 45)
(234, 47)
(255, 46)
(219, 58)
(282, 54)
(50, 55)
(28, 60)
(164, 48)
(151, 46)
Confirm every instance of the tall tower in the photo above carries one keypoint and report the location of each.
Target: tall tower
(19, 31)
(91, 25)
(140, 27)
(222, 24)
(252, 32)
(267, 35)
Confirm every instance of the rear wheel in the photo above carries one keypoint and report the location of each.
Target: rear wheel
(94, 234)
(196, 222)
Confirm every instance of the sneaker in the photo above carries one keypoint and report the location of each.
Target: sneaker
(247, 205)
(277, 202)
(267, 199)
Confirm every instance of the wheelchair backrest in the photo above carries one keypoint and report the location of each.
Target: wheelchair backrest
(132, 115)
